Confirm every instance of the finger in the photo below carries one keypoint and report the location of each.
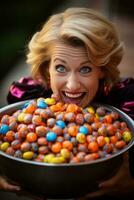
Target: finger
(7, 186)
(97, 193)
(55, 96)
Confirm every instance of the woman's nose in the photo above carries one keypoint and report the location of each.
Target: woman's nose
(73, 83)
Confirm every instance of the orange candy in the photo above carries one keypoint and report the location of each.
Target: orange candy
(74, 160)
(73, 130)
(108, 119)
(57, 107)
(56, 147)
(30, 109)
(101, 141)
(113, 139)
(31, 137)
(93, 147)
(67, 144)
(73, 108)
(10, 136)
(120, 144)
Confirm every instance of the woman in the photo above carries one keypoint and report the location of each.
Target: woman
(76, 54)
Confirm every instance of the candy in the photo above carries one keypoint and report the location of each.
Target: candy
(56, 147)
(31, 137)
(50, 101)
(73, 130)
(57, 160)
(4, 146)
(127, 136)
(44, 130)
(28, 155)
(83, 129)
(65, 153)
(48, 157)
(10, 136)
(4, 128)
(61, 124)
(51, 136)
(25, 146)
(81, 138)
(41, 104)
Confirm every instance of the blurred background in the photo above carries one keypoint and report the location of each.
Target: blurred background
(21, 19)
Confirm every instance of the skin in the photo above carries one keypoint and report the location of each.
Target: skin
(5, 185)
(72, 76)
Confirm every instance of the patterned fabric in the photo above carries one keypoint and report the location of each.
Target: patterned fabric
(26, 88)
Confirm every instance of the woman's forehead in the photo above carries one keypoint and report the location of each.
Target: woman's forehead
(64, 50)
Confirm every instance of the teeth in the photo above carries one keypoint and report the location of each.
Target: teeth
(73, 95)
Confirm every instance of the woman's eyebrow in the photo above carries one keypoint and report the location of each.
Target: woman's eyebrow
(63, 61)
(85, 62)
(59, 59)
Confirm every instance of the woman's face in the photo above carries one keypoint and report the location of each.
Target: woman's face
(72, 77)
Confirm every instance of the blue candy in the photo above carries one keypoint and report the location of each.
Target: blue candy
(51, 136)
(61, 123)
(41, 104)
(4, 128)
(27, 104)
(83, 129)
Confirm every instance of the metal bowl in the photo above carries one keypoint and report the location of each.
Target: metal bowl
(62, 180)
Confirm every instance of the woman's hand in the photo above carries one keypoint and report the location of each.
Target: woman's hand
(5, 185)
(121, 184)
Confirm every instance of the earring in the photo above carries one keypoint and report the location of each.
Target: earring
(107, 88)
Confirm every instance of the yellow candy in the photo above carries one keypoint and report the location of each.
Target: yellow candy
(107, 139)
(21, 117)
(81, 138)
(97, 116)
(65, 153)
(57, 160)
(90, 109)
(50, 101)
(4, 146)
(48, 157)
(28, 155)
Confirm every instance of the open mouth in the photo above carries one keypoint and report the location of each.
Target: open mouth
(75, 98)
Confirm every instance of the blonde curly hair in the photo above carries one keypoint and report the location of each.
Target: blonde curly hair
(77, 27)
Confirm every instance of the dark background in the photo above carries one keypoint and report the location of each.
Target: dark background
(20, 19)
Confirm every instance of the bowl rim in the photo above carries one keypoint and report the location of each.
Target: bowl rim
(14, 106)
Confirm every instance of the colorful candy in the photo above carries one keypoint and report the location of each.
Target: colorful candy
(44, 130)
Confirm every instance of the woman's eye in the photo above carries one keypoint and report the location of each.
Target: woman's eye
(60, 68)
(85, 70)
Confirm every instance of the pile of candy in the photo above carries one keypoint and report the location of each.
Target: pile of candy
(44, 130)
